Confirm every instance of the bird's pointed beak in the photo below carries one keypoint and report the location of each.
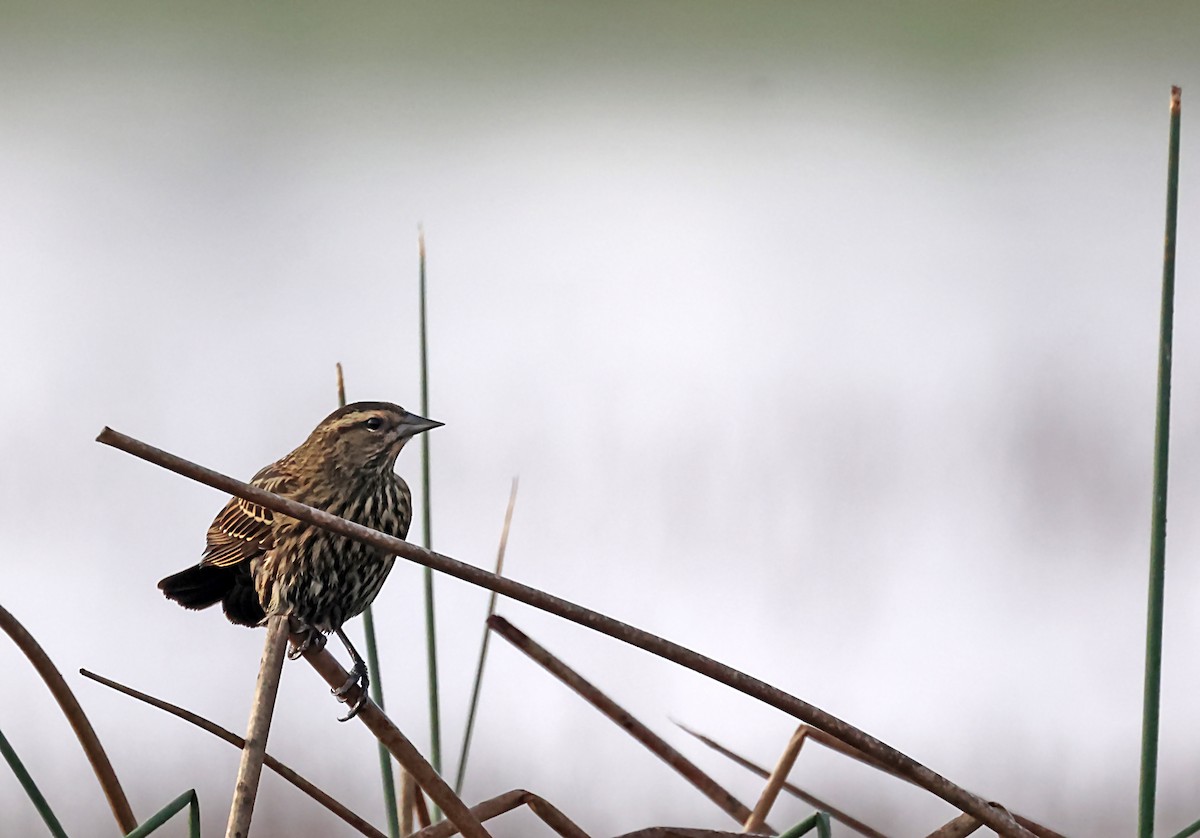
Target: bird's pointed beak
(415, 424)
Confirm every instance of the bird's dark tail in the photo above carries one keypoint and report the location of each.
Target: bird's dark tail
(204, 585)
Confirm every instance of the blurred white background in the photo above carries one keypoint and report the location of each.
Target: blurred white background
(822, 338)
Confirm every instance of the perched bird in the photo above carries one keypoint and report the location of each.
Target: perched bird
(261, 563)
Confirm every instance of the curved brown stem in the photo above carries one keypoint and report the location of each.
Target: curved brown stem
(79, 721)
(506, 802)
(232, 738)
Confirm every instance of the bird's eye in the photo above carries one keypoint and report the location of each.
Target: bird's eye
(374, 423)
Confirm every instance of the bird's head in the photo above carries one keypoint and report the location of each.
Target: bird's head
(366, 436)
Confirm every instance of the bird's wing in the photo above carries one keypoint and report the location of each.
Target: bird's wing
(243, 529)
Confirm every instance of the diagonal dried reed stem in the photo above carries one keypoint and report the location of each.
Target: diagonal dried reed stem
(965, 825)
(813, 822)
(398, 744)
(418, 803)
(775, 782)
(76, 717)
(592, 695)
(477, 684)
(833, 744)
(998, 819)
(506, 802)
(1035, 827)
(795, 791)
(259, 728)
(232, 738)
(960, 827)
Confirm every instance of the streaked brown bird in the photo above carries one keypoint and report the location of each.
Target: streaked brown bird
(260, 563)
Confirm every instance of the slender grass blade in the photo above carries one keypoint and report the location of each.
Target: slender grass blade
(1158, 519)
(385, 758)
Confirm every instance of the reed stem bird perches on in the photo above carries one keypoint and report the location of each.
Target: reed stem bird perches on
(258, 563)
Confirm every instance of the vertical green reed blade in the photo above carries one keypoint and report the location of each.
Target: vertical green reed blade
(435, 716)
(1158, 519)
(31, 789)
(385, 758)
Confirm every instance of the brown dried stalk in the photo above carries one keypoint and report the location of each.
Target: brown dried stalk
(408, 795)
(1035, 827)
(401, 748)
(592, 695)
(787, 760)
(75, 716)
(960, 827)
(998, 819)
(418, 801)
(965, 825)
(775, 782)
(795, 791)
(506, 802)
(232, 738)
(825, 739)
(245, 792)
(477, 682)
(679, 832)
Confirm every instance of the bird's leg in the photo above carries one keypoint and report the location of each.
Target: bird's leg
(311, 637)
(358, 675)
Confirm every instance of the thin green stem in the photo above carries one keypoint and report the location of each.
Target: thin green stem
(817, 820)
(189, 799)
(31, 789)
(435, 715)
(1189, 831)
(1158, 518)
(385, 758)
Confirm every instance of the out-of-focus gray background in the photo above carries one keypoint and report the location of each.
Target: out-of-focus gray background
(821, 336)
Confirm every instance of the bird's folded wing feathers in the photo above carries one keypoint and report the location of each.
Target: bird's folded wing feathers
(243, 529)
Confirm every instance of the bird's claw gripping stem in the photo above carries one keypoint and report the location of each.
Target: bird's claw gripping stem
(312, 637)
(358, 676)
